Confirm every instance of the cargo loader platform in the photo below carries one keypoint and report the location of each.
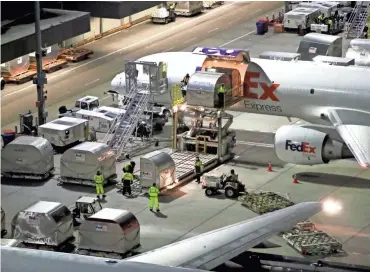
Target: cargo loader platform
(51, 66)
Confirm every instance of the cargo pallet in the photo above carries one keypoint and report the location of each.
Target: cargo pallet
(110, 255)
(62, 180)
(51, 66)
(66, 247)
(19, 78)
(264, 202)
(13, 175)
(314, 243)
(75, 54)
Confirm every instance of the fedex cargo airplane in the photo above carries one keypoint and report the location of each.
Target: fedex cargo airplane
(334, 99)
(202, 252)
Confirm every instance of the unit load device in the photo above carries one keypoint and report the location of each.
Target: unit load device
(109, 233)
(65, 131)
(27, 157)
(98, 121)
(300, 17)
(78, 165)
(44, 223)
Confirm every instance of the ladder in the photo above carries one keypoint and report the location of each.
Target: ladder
(358, 20)
(125, 123)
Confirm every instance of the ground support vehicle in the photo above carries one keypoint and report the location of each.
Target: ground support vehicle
(85, 207)
(163, 15)
(216, 184)
(3, 230)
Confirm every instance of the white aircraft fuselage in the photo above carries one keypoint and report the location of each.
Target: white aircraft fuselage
(324, 95)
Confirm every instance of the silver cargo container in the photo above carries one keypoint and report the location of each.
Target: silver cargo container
(188, 8)
(43, 223)
(27, 157)
(202, 89)
(79, 164)
(315, 44)
(334, 60)
(157, 167)
(359, 49)
(65, 131)
(16, 66)
(283, 56)
(109, 230)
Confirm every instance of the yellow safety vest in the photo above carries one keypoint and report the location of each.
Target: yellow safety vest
(98, 179)
(198, 163)
(330, 22)
(128, 176)
(153, 191)
(127, 167)
(221, 90)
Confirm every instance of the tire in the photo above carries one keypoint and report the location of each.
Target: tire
(167, 21)
(159, 127)
(2, 84)
(230, 193)
(209, 192)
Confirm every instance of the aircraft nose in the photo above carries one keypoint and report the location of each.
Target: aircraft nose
(118, 82)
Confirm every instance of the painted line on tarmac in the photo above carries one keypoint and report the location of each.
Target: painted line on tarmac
(255, 144)
(126, 47)
(92, 82)
(213, 30)
(238, 38)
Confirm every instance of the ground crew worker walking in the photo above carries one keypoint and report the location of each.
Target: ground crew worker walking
(153, 197)
(99, 179)
(186, 79)
(198, 168)
(127, 180)
(221, 95)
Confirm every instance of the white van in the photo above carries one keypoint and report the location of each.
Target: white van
(97, 120)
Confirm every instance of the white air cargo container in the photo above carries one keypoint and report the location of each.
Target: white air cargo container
(283, 56)
(78, 165)
(99, 121)
(51, 54)
(109, 233)
(326, 8)
(303, 17)
(157, 167)
(188, 8)
(43, 223)
(65, 131)
(16, 66)
(27, 157)
(334, 60)
(359, 49)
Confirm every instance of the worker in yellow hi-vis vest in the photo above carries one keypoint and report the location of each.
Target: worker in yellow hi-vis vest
(153, 197)
(99, 180)
(221, 95)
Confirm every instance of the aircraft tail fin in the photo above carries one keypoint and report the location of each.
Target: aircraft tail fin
(254, 70)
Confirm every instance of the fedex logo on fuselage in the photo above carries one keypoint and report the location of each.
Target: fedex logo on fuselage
(219, 52)
(268, 90)
(303, 147)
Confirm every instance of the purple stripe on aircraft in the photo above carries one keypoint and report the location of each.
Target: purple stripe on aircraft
(222, 52)
(198, 69)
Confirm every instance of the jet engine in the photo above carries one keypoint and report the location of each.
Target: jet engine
(299, 145)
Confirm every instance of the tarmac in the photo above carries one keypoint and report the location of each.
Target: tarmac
(343, 180)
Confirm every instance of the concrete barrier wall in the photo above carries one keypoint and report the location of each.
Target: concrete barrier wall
(110, 26)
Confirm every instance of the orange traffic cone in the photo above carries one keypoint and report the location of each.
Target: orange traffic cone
(295, 180)
(269, 168)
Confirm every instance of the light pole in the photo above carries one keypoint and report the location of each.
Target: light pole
(40, 80)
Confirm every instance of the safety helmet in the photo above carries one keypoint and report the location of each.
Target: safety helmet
(98, 173)
(154, 184)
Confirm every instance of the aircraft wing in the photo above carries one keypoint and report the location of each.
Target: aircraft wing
(354, 128)
(209, 250)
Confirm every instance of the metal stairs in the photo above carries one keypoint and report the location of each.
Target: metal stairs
(358, 20)
(121, 131)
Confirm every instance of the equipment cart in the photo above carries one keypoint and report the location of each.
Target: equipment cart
(214, 184)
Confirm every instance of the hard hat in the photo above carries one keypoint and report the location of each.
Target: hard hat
(98, 172)
(154, 184)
